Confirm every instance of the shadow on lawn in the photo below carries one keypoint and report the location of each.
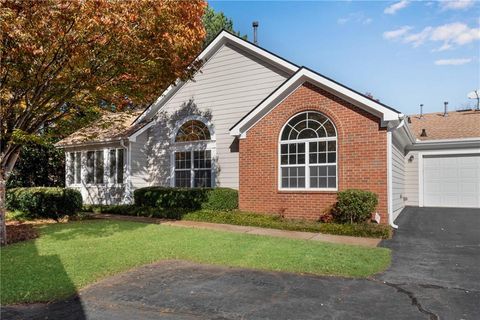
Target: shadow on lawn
(70, 308)
(67, 309)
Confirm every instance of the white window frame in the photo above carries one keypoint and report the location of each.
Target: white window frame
(191, 146)
(84, 176)
(113, 181)
(75, 165)
(307, 164)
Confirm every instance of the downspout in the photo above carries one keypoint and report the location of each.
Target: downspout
(390, 169)
(128, 187)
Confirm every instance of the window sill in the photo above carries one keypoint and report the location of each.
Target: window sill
(321, 191)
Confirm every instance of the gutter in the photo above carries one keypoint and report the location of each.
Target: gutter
(390, 131)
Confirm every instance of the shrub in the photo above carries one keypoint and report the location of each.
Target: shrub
(44, 202)
(355, 206)
(186, 198)
(221, 199)
(133, 210)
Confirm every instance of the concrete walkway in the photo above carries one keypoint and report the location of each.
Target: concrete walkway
(314, 236)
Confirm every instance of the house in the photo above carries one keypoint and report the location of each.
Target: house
(287, 137)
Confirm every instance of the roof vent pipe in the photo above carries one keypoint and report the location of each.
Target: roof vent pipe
(424, 133)
(445, 110)
(421, 111)
(255, 27)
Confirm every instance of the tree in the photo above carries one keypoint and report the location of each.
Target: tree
(62, 57)
(214, 22)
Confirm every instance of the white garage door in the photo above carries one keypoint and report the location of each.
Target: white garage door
(451, 181)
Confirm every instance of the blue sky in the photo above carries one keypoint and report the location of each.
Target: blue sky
(404, 53)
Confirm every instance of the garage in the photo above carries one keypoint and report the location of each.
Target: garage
(451, 180)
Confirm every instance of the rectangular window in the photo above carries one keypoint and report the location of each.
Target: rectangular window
(74, 168)
(99, 172)
(116, 165)
(308, 165)
(90, 176)
(78, 167)
(71, 168)
(193, 169)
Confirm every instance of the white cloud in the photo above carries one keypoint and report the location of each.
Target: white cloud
(452, 62)
(358, 17)
(393, 8)
(451, 35)
(394, 34)
(456, 4)
(417, 39)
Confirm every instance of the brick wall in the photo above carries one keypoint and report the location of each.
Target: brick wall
(362, 157)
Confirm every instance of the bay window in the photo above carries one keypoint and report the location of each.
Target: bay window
(308, 153)
(116, 167)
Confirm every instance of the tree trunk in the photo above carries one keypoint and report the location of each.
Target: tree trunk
(3, 209)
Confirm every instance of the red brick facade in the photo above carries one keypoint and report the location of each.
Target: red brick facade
(362, 157)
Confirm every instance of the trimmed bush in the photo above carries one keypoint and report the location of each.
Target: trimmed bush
(355, 206)
(186, 198)
(44, 202)
(221, 199)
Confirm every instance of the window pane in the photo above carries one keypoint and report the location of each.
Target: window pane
(322, 182)
(284, 148)
(182, 179)
(332, 157)
(120, 165)
(99, 167)
(78, 167)
(322, 157)
(313, 158)
(183, 160)
(307, 134)
(202, 178)
(313, 146)
(301, 158)
(322, 146)
(284, 159)
(332, 182)
(90, 166)
(330, 129)
(71, 168)
(201, 159)
(113, 164)
(332, 145)
(332, 172)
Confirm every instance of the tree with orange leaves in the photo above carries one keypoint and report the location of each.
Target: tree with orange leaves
(59, 57)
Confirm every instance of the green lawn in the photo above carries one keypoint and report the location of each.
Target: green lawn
(70, 256)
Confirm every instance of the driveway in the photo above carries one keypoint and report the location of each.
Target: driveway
(434, 275)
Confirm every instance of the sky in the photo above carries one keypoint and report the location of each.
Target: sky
(405, 53)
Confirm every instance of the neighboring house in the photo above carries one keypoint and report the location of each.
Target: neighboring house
(285, 136)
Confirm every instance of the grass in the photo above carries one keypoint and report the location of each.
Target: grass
(69, 256)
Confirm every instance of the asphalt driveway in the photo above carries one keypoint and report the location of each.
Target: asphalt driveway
(435, 274)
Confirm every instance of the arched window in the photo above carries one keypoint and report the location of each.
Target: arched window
(308, 153)
(192, 130)
(192, 156)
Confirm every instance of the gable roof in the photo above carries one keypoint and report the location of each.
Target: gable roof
(457, 125)
(303, 75)
(222, 38)
(110, 127)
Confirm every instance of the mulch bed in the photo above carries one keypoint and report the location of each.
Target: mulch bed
(17, 231)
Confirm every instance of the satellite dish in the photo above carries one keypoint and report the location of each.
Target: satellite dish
(474, 94)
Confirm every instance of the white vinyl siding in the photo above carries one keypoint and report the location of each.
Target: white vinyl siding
(398, 179)
(140, 175)
(229, 85)
(411, 178)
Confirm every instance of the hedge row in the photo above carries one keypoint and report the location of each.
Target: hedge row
(44, 202)
(187, 198)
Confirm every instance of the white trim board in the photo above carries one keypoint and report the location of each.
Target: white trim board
(300, 77)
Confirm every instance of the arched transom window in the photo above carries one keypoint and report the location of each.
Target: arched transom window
(192, 130)
(192, 156)
(308, 153)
